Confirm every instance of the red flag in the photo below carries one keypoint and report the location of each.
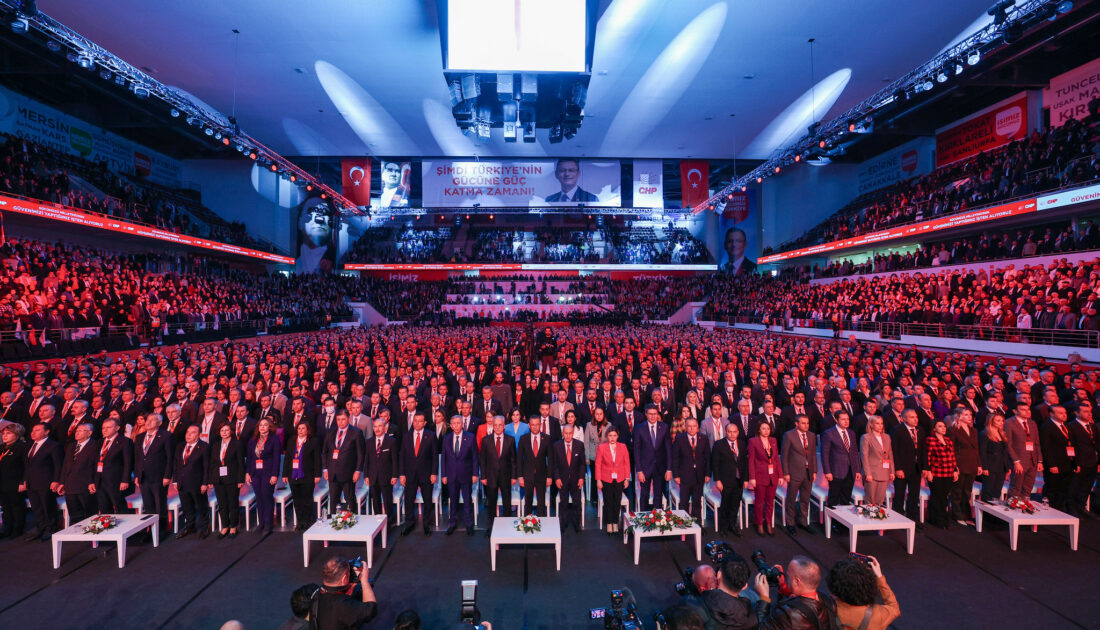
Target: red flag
(355, 180)
(694, 182)
(737, 207)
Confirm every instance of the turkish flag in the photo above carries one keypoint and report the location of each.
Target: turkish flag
(694, 182)
(355, 180)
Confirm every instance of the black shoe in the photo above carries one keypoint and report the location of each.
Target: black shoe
(232, 534)
(204, 533)
(427, 531)
(470, 531)
(791, 530)
(451, 529)
(488, 532)
(183, 533)
(34, 536)
(222, 535)
(806, 527)
(408, 528)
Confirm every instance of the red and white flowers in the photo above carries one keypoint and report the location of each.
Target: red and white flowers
(876, 512)
(529, 524)
(343, 519)
(1023, 505)
(100, 524)
(658, 519)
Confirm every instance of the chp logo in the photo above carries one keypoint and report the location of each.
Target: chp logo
(737, 207)
(909, 161)
(1008, 121)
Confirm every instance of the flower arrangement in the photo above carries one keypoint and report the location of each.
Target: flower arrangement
(876, 512)
(657, 519)
(100, 524)
(1023, 505)
(343, 519)
(529, 524)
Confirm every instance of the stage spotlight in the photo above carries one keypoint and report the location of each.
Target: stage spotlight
(927, 85)
(208, 131)
(759, 180)
(851, 127)
(999, 11)
(54, 45)
(821, 144)
(141, 91)
(218, 136)
(324, 196)
(175, 113)
(1065, 7)
(252, 155)
(84, 61)
(1012, 34)
(777, 170)
(309, 187)
(974, 58)
(105, 74)
(20, 24)
(225, 141)
(958, 68)
(293, 177)
(941, 75)
(798, 158)
(193, 121)
(491, 217)
(274, 168)
(744, 188)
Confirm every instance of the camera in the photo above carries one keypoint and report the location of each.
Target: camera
(469, 612)
(775, 575)
(719, 553)
(618, 616)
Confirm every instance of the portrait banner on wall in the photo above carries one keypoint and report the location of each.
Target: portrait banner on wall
(526, 183)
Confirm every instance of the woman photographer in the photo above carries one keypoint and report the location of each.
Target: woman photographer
(854, 582)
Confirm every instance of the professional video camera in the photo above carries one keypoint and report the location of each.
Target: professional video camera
(618, 616)
(774, 574)
(719, 552)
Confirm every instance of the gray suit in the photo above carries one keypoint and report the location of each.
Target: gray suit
(1018, 439)
(801, 465)
(875, 475)
(708, 429)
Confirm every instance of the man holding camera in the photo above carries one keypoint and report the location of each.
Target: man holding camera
(804, 609)
(336, 606)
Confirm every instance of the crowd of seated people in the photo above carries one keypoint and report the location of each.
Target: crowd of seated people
(414, 388)
(1041, 240)
(1056, 158)
(52, 286)
(1061, 296)
(32, 170)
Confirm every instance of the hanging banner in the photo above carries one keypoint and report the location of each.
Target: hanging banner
(649, 185)
(396, 185)
(911, 159)
(355, 180)
(1069, 93)
(694, 182)
(988, 129)
(528, 183)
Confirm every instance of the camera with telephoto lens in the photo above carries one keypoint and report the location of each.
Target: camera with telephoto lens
(719, 553)
(774, 574)
(618, 616)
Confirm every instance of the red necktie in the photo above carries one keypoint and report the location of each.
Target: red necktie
(568, 454)
(847, 444)
(187, 452)
(499, 447)
(805, 446)
(416, 446)
(535, 445)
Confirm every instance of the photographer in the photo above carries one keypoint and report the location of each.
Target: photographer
(704, 579)
(854, 582)
(804, 609)
(301, 601)
(335, 607)
(727, 608)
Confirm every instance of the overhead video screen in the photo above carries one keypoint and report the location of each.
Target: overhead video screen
(516, 35)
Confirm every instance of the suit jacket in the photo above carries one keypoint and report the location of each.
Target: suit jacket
(727, 466)
(247, 430)
(118, 463)
(271, 413)
(626, 424)
(44, 468)
(534, 466)
(13, 463)
(1054, 444)
(744, 425)
(460, 465)
(909, 458)
(309, 460)
(652, 458)
(78, 469)
(873, 457)
(966, 450)
(307, 416)
(759, 461)
(773, 420)
(156, 464)
(349, 460)
(688, 463)
(234, 461)
(179, 432)
(266, 464)
(572, 471)
(606, 466)
(796, 458)
(580, 195)
(835, 459)
(418, 466)
(498, 469)
(192, 473)
(707, 428)
(381, 464)
(1018, 439)
(1086, 447)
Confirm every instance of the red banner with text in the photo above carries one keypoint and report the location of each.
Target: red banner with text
(989, 130)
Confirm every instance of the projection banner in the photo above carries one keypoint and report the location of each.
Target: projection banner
(528, 183)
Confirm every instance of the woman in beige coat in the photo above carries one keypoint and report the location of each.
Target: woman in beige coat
(877, 454)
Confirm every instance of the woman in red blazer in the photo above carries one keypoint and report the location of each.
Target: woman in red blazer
(765, 475)
(612, 475)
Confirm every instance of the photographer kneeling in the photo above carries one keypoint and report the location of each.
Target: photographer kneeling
(804, 608)
(337, 605)
(854, 582)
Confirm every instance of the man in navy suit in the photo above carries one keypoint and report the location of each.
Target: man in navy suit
(691, 466)
(628, 421)
(78, 473)
(342, 459)
(153, 459)
(840, 460)
(568, 464)
(112, 478)
(567, 172)
(534, 463)
(460, 472)
(419, 468)
(498, 470)
(41, 480)
(651, 455)
(380, 457)
(189, 475)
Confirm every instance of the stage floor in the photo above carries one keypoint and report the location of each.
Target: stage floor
(956, 579)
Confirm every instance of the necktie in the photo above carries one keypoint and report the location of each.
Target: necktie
(106, 446)
(1088, 428)
(1065, 433)
(34, 449)
(913, 432)
(568, 453)
(499, 447)
(805, 446)
(79, 447)
(653, 431)
(187, 452)
(416, 445)
(339, 439)
(378, 447)
(240, 428)
(847, 444)
(535, 445)
(692, 440)
(458, 442)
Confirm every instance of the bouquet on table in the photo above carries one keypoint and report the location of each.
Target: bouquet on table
(662, 520)
(343, 519)
(100, 524)
(1023, 505)
(529, 524)
(876, 512)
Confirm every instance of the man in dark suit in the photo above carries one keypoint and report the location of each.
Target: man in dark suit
(534, 463)
(77, 475)
(267, 410)
(342, 459)
(381, 457)
(42, 480)
(840, 461)
(625, 423)
(568, 172)
(730, 466)
(498, 470)
(742, 417)
(243, 425)
(1086, 447)
(12, 412)
(175, 424)
(769, 416)
(799, 458)
(460, 473)
(298, 414)
(691, 467)
(485, 406)
(651, 454)
(419, 469)
(910, 457)
(112, 477)
(78, 416)
(568, 466)
(789, 417)
(153, 461)
(1057, 459)
(1022, 437)
(891, 417)
(189, 474)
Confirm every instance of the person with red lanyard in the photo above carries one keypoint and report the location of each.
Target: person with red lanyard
(302, 472)
(226, 474)
(261, 472)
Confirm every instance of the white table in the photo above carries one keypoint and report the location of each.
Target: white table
(682, 532)
(363, 531)
(1044, 515)
(856, 523)
(505, 533)
(128, 525)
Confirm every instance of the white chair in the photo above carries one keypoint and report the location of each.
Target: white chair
(362, 495)
(282, 498)
(674, 494)
(320, 496)
(61, 505)
(625, 503)
(712, 499)
(247, 501)
(584, 500)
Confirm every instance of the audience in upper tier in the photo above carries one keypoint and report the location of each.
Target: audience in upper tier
(1058, 157)
(33, 170)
